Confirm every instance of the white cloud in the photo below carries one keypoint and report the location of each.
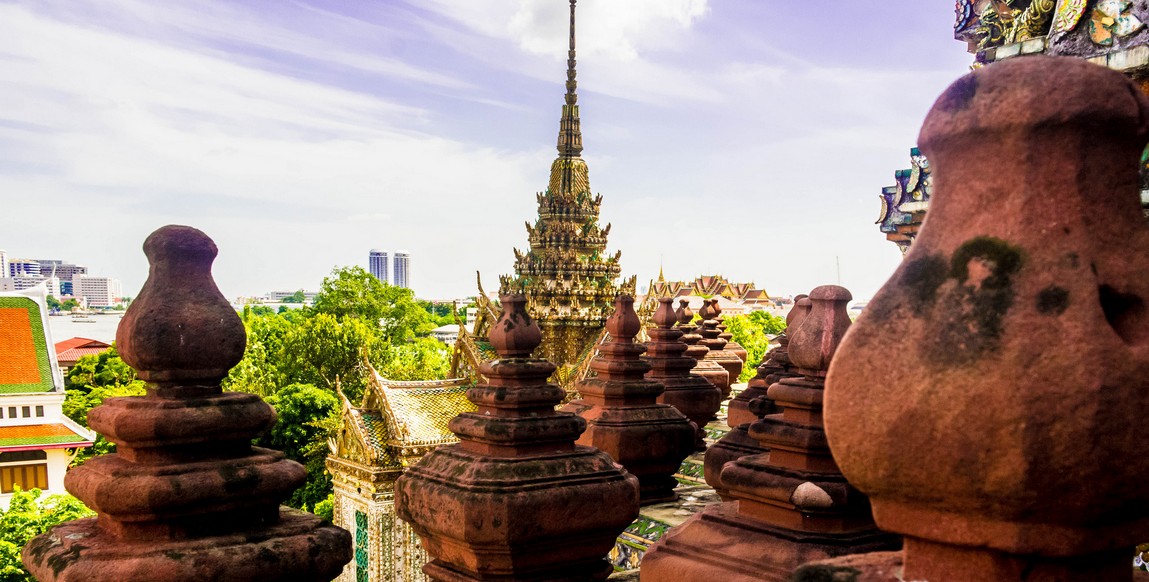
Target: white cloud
(291, 176)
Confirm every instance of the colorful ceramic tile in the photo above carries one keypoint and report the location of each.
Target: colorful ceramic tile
(25, 365)
(1069, 13)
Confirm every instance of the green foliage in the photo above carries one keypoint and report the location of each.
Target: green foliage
(750, 331)
(297, 297)
(27, 517)
(53, 303)
(353, 292)
(93, 379)
(326, 508)
(323, 349)
(296, 358)
(422, 359)
(307, 416)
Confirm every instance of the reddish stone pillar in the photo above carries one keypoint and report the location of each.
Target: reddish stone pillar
(738, 443)
(776, 365)
(186, 496)
(693, 395)
(792, 504)
(623, 418)
(717, 346)
(517, 499)
(991, 398)
(709, 369)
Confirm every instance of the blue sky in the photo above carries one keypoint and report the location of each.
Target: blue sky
(742, 137)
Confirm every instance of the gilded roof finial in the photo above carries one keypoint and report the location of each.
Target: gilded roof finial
(570, 136)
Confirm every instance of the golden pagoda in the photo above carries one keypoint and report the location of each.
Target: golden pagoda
(569, 280)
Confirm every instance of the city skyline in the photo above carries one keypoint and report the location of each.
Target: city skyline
(295, 135)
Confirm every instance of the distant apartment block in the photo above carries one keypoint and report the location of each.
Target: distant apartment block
(279, 296)
(97, 291)
(401, 269)
(4, 263)
(23, 268)
(377, 264)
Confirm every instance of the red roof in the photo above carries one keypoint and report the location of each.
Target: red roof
(70, 351)
(80, 342)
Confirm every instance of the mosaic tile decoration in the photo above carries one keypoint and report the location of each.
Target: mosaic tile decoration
(421, 414)
(24, 361)
(40, 434)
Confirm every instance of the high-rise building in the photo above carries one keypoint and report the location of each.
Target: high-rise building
(377, 264)
(98, 291)
(64, 271)
(4, 264)
(401, 269)
(23, 268)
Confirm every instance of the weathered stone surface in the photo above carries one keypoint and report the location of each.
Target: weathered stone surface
(775, 366)
(791, 505)
(186, 496)
(623, 418)
(709, 369)
(717, 346)
(989, 398)
(693, 395)
(517, 499)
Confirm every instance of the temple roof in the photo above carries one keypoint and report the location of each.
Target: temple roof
(27, 365)
(42, 436)
(73, 349)
(399, 421)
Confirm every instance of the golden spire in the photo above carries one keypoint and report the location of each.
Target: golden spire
(570, 136)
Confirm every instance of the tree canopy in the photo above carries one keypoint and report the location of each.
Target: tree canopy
(28, 516)
(751, 331)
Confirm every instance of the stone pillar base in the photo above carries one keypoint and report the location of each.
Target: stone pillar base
(721, 544)
(299, 547)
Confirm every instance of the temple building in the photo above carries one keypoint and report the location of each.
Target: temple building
(37, 442)
(1110, 33)
(567, 275)
(392, 428)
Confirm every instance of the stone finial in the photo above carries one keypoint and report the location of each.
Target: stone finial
(664, 315)
(752, 404)
(717, 346)
(623, 324)
(186, 496)
(515, 334)
(623, 417)
(692, 394)
(714, 373)
(989, 399)
(775, 366)
(180, 327)
(684, 313)
(813, 344)
(790, 503)
(507, 501)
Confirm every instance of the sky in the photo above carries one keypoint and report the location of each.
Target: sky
(748, 138)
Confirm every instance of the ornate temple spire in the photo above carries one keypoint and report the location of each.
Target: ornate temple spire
(570, 136)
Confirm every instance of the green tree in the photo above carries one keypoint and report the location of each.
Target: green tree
(323, 350)
(28, 516)
(53, 303)
(750, 331)
(69, 304)
(421, 359)
(353, 292)
(306, 418)
(297, 297)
